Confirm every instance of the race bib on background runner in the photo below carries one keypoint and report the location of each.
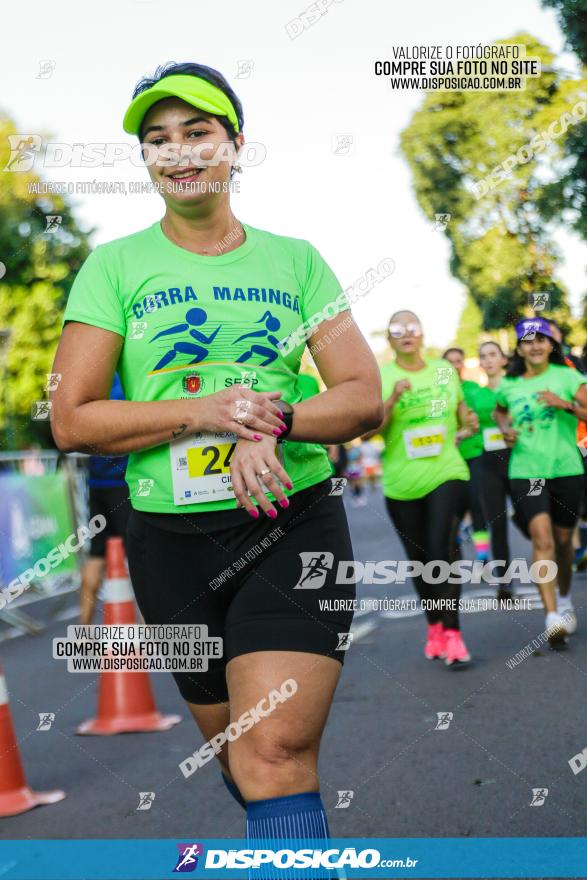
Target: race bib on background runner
(424, 442)
(493, 439)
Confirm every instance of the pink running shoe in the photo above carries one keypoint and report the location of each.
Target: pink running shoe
(436, 642)
(456, 650)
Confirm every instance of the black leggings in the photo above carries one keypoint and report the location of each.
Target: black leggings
(259, 585)
(494, 491)
(471, 497)
(425, 527)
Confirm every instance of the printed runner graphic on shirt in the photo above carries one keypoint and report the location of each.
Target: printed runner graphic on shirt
(542, 416)
(193, 318)
(199, 348)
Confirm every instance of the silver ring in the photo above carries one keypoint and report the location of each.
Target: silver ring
(263, 473)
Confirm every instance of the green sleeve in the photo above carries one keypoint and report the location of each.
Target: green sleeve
(575, 381)
(500, 398)
(320, 288)
(93, 298)
(388, 380)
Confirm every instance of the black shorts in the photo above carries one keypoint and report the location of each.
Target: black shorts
(114, 504)
(265, 585)
(561, 498)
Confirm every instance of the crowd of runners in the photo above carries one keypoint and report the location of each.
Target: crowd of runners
(455, 448)
(225, 442)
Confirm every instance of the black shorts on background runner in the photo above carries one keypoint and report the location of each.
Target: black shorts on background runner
(265, 585)
(113, 503)
(561, 498)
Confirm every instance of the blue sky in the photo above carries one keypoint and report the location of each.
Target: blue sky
(357, 208)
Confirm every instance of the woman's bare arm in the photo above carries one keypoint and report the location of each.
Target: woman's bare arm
(83, 419)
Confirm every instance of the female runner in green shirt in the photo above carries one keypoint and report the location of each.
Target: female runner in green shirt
(194, 310)
(538, 404)
(423, 472)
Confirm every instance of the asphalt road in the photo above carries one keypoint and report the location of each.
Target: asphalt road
(512, 730)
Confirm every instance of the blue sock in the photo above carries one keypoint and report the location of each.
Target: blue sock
(234, 791)
(297, 821)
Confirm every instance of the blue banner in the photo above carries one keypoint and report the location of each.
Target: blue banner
(544, 857)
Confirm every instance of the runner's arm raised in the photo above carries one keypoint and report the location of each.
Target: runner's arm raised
(83, 419)
(398, 389)
(468, 421)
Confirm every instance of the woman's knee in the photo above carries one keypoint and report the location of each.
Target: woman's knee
(273, 762)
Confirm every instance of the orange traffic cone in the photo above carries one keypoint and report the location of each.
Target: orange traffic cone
(15, 795)
(125, 699)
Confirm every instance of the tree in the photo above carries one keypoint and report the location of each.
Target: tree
(501, 249)
(566, 198)
(572, 18)
(34, 283)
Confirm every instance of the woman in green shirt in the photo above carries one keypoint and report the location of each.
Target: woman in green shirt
(538, 404)
(423, 473)
(195, 310)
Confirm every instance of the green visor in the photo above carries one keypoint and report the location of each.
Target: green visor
(192, 89)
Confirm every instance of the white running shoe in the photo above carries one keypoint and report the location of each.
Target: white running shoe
(556, 628)
(564, 607)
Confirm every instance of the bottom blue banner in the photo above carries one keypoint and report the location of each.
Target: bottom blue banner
(531, 857)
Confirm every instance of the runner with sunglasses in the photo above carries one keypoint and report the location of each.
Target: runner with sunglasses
(423, 471)
(229, 483)
(538, 404)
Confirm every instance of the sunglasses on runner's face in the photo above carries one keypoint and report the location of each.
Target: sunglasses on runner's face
(398, 330)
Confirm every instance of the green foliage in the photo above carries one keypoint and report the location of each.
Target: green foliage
(566, 198)
(501, 248)
(33, 292)
(572, 18)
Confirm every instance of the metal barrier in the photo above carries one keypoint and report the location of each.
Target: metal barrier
(57, 588)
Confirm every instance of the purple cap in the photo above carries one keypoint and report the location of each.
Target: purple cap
(529, 327)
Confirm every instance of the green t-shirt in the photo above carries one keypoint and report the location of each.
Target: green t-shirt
(420, 452)
(307, 386)
(546, 446)
(482, 400)
(195, 324)
(471, 447)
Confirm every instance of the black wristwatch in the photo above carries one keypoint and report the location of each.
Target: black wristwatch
(287, 413)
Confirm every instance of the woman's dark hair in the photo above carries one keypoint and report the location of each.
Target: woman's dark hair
(496, 344)
(210, 75)
(453, 348)
(517, 366)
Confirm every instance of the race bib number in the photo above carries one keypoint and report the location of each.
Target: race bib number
(425, 442)
(493, 439)
(200, 467)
